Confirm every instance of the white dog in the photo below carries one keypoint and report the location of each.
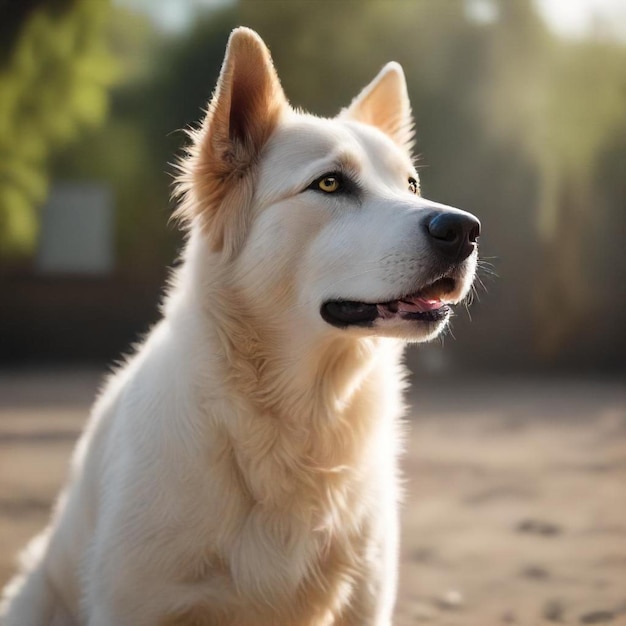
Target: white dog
(240, 469)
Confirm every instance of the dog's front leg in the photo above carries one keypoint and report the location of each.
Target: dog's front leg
(374, 595)
(370, 606)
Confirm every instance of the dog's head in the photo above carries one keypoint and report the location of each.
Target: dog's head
(321, 221)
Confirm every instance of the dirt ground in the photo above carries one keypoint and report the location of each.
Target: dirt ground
(515, 507)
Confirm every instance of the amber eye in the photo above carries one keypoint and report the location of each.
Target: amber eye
(329, 184)
(413, 188)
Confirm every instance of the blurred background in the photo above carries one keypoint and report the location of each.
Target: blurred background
(520, 110)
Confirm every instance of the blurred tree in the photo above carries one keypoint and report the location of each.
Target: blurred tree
(54, 73)
(585, 113)
(167, 82)
(558, 103)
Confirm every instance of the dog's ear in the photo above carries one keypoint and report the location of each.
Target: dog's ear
(384, 103)
(215, 176)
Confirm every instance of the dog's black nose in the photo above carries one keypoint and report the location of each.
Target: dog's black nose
(454, 234)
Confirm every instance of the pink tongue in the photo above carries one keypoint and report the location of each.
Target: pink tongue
(419, 304)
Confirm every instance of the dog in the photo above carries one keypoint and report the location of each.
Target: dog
(241, 467)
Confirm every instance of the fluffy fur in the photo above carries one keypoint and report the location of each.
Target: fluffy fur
(240, 468)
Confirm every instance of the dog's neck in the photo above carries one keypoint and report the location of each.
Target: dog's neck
(283, 371)
(316, 402)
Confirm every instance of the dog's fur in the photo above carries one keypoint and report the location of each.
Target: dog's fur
(240, 469)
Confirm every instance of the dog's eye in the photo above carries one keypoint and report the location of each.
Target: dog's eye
(413, 186)
(335, 183)
(329, 183)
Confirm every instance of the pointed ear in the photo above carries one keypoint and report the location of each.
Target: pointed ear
(384, 103)
(216, 174)
(248, 100)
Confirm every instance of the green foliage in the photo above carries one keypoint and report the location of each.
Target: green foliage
(169, 82)
(52, 86)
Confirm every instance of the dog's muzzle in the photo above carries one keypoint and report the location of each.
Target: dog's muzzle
(452, 236)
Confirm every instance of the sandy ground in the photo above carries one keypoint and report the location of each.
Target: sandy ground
(515, 506)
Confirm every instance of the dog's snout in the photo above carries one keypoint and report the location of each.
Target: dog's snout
(453, 234)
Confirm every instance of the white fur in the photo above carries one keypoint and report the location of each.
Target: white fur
(240, 468)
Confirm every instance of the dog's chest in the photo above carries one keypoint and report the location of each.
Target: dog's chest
(308, 584)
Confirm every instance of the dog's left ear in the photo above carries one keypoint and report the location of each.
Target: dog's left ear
(384, 103)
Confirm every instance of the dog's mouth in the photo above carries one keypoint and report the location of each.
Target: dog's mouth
(428, 305)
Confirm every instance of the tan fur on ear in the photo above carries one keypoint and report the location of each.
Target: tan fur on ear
(384, 103)
(216, 175)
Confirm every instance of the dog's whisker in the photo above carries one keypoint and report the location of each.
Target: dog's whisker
(487, 272)
(481, 283)
(484, 267)
(467, 302)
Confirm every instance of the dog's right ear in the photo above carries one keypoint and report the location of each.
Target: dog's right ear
(215, 176)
